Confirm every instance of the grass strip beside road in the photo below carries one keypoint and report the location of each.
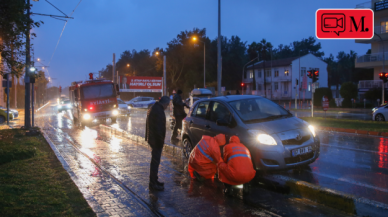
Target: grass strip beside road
(33, 181)
(348, 124)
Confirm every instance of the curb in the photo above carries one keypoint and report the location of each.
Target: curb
(169, 148)
(360, 132)
(332, 198)
(85, 192)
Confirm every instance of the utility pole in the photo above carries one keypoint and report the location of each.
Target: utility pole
(27, 118)
(382, 87)
(219, 61)
(113, 68)
(164, 76)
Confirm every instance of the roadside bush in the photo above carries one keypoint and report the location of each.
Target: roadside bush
(319, 93)
(347, 103)
(348, 91)
(373, 94)
(332, 103)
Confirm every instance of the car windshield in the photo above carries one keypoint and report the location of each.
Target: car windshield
(98, 91)
(258, 109)
(66, 102)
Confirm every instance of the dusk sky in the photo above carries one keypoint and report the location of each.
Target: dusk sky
(103, 27)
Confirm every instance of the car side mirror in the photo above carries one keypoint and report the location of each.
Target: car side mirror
(222, 122)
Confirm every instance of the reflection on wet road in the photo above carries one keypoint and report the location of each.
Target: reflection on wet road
(356, 165)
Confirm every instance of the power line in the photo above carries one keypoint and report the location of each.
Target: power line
(63, 30)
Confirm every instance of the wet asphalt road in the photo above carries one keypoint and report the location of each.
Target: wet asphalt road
(349, 163)
(354, 164)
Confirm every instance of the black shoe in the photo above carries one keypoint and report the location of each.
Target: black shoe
(156, 187)
(198, 177)
(160, 183)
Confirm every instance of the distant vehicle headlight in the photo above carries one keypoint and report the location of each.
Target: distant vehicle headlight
(115, 112)
(87, 116)
(312, 129)
(69, 106)
(59, 106)
(263, 138)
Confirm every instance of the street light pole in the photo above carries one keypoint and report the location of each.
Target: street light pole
(164, 76)
(382, 82)
(27, 118)
(219, 61)
(204, 65)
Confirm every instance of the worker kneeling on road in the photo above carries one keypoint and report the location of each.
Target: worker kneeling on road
(237, 167)
(205, 156)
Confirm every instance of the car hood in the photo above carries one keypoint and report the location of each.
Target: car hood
(278, 125)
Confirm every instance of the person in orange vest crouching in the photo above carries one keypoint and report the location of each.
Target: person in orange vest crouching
(205, 156)
(237, 167)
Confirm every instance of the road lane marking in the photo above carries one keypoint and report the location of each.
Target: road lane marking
(354, 149)
(42, 106)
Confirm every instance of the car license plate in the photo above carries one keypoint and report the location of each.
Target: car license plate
(300, 151)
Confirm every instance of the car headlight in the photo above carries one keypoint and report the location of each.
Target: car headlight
(87, 116)
(263, 138)
(312, 130)
(69, 106)
(115, 112)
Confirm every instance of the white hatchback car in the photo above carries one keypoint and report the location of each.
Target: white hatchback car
(380, 113)
(141, 102)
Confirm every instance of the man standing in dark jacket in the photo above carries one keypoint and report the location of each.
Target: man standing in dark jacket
(179, 113)
(155, 135)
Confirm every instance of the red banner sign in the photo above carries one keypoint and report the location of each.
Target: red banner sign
(140, 84)
(344, 23)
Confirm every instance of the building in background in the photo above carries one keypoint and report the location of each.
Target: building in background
(379, 47)
(281, 77)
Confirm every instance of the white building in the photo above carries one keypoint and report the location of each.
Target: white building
(379, 47)
(281, 77)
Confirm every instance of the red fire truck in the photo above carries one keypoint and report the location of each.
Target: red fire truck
(93, 100)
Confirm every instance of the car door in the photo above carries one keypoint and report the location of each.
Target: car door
(220, 111)
(137, 102)
(199, 122)
(385, 112)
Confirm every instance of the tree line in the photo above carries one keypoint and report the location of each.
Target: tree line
(184, 58)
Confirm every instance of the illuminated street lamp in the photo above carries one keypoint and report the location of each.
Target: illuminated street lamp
(128, 65)
(164, 72)
(204, 60)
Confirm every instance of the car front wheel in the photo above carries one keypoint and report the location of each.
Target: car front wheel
(187, 147)
(379, 117)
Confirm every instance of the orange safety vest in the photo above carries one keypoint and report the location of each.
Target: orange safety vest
(237, 167)
(205, 156)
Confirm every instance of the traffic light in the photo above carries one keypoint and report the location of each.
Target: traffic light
(310, 74)
(60, 89)
(384, 76)
(242, 84)
(297, 82)
(313, 74)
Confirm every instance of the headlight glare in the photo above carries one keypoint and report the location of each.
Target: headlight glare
(115, 112)
(266, 139)
(86, 116)
(312, 130)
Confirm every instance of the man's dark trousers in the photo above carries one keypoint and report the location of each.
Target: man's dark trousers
(155, 161)
(178, 125)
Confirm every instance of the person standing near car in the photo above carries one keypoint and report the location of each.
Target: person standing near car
(155, 135)
(178, 113)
